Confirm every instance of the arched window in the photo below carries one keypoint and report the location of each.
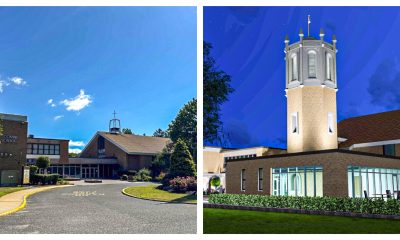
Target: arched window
(329, 67)
(311, 64)
(293, 60)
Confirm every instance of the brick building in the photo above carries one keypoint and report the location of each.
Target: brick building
(13, 142)
(358, 157)
(105, 155)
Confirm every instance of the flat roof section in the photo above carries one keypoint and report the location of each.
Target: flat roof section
(13, 117)
(315, 152)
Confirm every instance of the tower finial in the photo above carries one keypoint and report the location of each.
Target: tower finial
(114, 113)
(321, 34)
(309, 22)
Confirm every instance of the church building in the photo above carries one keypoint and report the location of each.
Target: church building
(106, 155)
(358, 157)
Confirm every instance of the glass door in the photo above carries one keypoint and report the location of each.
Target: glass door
(395, 186)
(84, 172)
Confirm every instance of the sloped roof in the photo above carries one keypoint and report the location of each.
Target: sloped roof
(136, 144)
(370, 128)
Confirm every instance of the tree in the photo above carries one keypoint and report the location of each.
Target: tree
(127, 131)
(216, 88)
(1, 128)
(182, 163)
(184, 126)
(72, 155)
(161, 162)
(160, 133)
(43, 162)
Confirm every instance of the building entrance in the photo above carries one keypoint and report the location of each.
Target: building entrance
(90, 172)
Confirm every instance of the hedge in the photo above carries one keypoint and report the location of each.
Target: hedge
(334, 204)
(44, 178)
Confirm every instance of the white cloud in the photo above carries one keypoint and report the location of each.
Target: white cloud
(51, 102)
(2, 85)
(58, 117)
(76, 144)
(18, 81)
(79, 102)
(74, 150)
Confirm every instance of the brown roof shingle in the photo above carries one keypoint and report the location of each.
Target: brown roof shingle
(370, 128)
(134, 144)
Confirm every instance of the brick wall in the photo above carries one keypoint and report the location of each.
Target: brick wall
(334, 170)
(17, 149)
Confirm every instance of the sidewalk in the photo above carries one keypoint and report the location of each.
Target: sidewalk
(16, 201)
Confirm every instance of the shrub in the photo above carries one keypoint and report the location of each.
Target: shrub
(182, 163)
(43, 162)
(45, 179)
(62, 182)
(143, 175)
(335, 204)
(124, 177)
(33, 169)
(160, 177)
(216, 181)
(183, 184)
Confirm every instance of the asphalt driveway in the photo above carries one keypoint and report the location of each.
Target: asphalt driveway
(98, 208)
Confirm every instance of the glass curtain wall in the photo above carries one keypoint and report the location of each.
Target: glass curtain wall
(297, 181)
(372, 181)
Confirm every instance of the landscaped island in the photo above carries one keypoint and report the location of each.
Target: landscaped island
(152, 192)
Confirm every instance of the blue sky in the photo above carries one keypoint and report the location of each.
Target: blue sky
(68, 69)
(248, 45)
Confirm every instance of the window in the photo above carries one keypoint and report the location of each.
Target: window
(295, 123)
(297, 181)
(294, 67)
(43, 149)
(389, 150)
(260, 179)
(330, 123)
(46, 149)
(373, 181)
(40, 151)
(57, 149)
(243, 180)
(329, 67)
(29, 149)
(35, 149)
(311, 64)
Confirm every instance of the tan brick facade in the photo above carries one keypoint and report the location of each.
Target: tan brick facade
(334, 163)
(213, 162)
(312, 105)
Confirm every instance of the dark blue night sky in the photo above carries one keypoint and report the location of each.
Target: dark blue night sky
(248, 45)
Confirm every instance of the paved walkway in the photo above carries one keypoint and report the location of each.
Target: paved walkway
(98, 208)
(16, 200)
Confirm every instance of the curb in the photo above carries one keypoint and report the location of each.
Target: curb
(23, 204)
(154, 200)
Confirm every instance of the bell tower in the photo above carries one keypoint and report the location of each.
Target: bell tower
(115, 125)
(311, 88)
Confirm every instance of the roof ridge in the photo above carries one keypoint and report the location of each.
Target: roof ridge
(368, 115)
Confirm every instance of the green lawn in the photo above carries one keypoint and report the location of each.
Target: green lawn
(152, 193)
(7, 190)
(240, 221)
